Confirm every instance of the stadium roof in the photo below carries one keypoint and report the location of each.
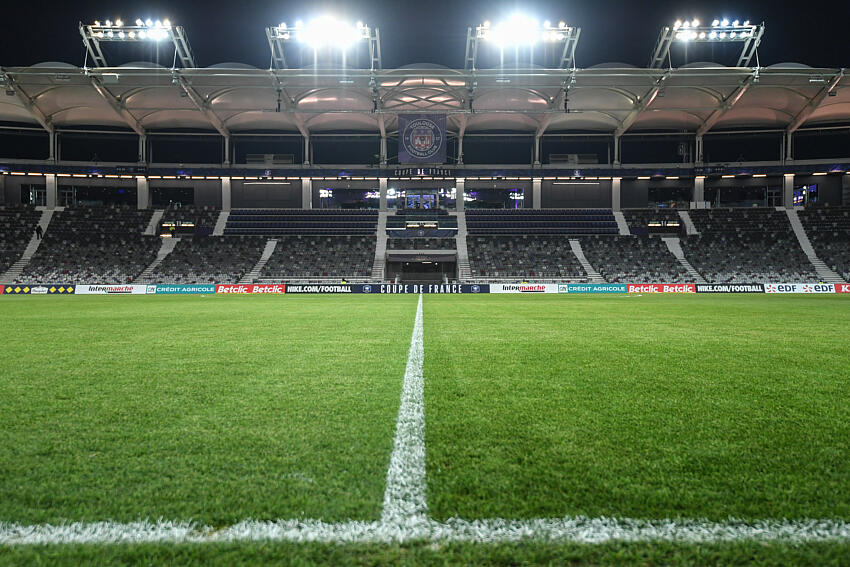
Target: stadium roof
(612, 98)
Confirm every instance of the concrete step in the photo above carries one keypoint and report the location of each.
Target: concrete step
(379, 264)
(592, 275)
(252, 276)
(690, 227)
(156, 217)
(220, 223)
(621, 223)
(464, 271)
(15, 270)
(675, 248)
(165, 248)
(824, 272)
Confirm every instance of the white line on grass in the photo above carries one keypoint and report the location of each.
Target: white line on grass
(404, 498)
(405, 511)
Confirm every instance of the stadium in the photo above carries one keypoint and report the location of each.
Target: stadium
(514, 311)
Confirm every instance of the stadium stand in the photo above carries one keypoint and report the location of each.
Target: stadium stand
(213, 259)
(645, 221)
(525, 257)
(421, 244)
(541, 221)
(201, 220)
(273, 222)
(621, 259)
(828, 229)
(17, 226)
(318, 257)
(423, 219)
(746, 245)
(97, 245)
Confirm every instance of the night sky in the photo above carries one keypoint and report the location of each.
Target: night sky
(427, 31)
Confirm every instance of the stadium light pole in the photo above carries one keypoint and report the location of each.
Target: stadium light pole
(141, 31)
(518, 31)
(323, 32)
(720, 31)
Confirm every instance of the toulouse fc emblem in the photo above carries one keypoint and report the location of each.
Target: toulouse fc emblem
(422, 138)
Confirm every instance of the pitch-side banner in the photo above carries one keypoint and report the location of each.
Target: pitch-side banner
(181, 288)
(37, 289)
(250, 288)
(111, 290)
(524, 288)
(842, 288)
(798, 288)
(730, 288)
(378, 289)
(593, 288)
(662, 288)
(421, 138)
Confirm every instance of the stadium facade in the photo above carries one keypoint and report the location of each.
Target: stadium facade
(603, 139)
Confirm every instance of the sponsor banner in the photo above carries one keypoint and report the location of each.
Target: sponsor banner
(593, 288)
(421, 138)
(181, 289)
(250, 288)
(524, 288)
(37, 289)
(2, 289)
(842, 288)
(109, 289)
(662, 288)
(422, 288)
(730, 288)
(799, 288)
(388, 288)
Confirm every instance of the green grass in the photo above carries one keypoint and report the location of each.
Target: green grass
(223, 408)
(646, 407)
(215, 409)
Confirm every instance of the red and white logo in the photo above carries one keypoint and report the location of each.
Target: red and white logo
(662, 288)
(842, 288)
(251, 288)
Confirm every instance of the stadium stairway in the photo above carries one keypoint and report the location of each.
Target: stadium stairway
(165, 249)
(592, 274)
(380, 263)
(252, 276)
(675, 248)
(156, 217)
(15, 270)
(690, 227)
(221, 223)
(622, 224)
(464, 272)
(823, 271)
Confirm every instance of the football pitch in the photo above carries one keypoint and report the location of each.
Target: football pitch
(504, 429)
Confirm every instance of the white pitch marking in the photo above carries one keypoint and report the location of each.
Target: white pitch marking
(405, 513)
(404, 498)
(495, 530)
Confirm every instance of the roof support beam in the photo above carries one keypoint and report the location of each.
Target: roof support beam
(814, 103)
(205, 109)
(642, 105)
(28, 102)
(725, 105)
(116, 104)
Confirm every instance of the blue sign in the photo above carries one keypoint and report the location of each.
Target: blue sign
(593, 288)
(183, 289)
(422, 138)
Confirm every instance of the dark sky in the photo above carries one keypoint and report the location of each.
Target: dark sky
(428, 31)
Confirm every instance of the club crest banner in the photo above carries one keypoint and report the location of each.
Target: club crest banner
(422, 138)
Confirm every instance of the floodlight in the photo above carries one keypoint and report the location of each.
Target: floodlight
(712, 35)
(715, 23)
(695, 23)
(166, 23)
(118, 23)
(109, 33)
(677, 25)
(139, 22)
(143, 34)
(723, 35)
(108, 23)
(328, 32)
(562, 24)
(724, 23)
(97, 23)
(735, 24)
(149, 22)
